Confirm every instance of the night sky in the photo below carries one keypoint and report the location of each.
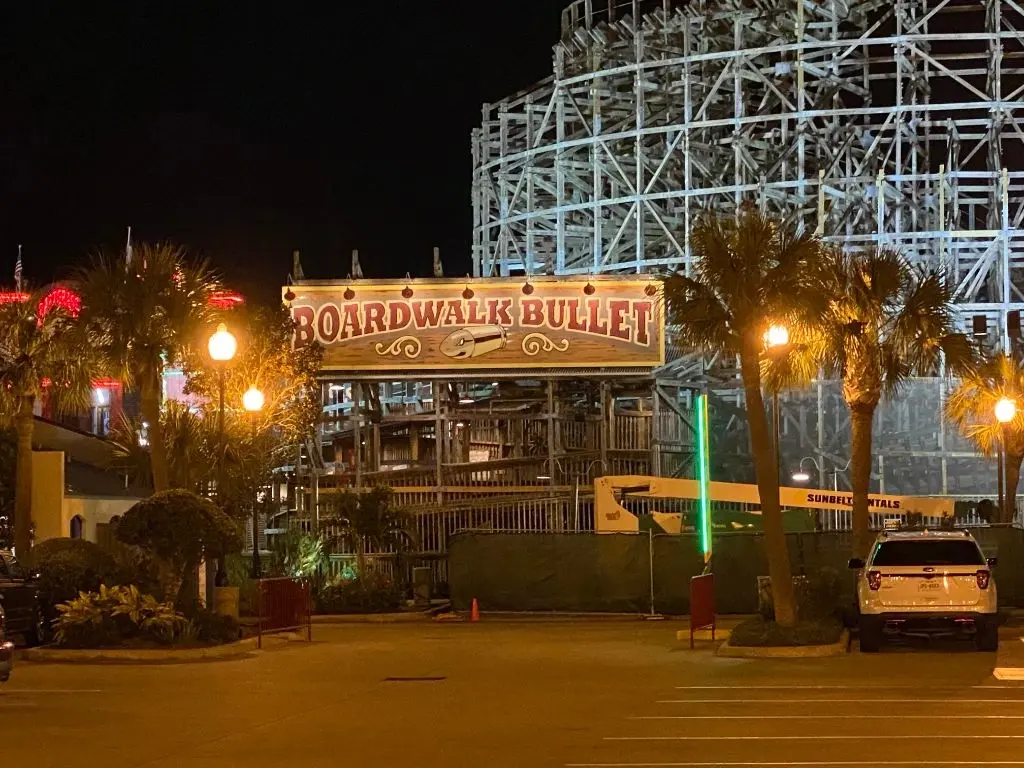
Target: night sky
(245, 135)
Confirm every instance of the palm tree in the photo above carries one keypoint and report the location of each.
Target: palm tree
(144, 311)
(885, 322)
(371, 519)
(971, 406)
(43, 354)
(747, 274)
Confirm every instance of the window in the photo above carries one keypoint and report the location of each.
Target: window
(934, 552)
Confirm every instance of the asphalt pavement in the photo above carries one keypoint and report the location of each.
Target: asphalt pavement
(519, 694)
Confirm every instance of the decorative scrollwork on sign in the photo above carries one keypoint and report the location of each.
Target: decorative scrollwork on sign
(404, 345)
(534, 343)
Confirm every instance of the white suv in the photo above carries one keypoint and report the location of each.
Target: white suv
(926, 583)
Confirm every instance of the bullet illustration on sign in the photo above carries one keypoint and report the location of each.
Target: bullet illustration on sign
(474, 341)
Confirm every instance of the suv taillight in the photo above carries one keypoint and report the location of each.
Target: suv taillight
(983, 578)
(874, 580)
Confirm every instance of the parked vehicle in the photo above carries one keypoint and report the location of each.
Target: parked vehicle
(6, 652)
(19, 598)
(926, 583)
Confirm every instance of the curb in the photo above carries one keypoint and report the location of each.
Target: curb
(786, 652)
(61, 655)
(373, 618)
(704, 634)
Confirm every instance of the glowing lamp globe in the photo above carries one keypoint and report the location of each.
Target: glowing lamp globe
(222, 344)
(777, 336)
(801, 477)
(1006, 410)
(252, 400)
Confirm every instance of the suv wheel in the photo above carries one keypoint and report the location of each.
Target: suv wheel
(986, 637)
(870, 634)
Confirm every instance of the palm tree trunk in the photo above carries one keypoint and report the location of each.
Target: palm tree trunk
(861, 418)
(24, 423)
(1013, 462)
(155, 432)
(766, 470)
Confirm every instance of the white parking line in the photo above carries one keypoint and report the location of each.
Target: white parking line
(839, 701)
(846, 687)
(825, 717)
(23, 691)
(827, 737)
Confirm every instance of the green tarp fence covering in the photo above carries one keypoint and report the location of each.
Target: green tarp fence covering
(609, 572)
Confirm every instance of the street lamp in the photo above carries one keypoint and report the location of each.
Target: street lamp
(252, 401)
(802, 476)
(222, 347)
(776, 339)
(1006, 411)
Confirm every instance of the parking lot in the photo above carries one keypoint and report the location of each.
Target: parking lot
(517, 694)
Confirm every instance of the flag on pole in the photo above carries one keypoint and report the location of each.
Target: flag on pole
(128, 249)
(17, 272)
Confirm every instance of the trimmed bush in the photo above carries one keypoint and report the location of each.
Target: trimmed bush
(759, 632)
(366, 594)
(69, 566)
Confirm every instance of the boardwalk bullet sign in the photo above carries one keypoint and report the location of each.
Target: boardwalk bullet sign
(482, 324)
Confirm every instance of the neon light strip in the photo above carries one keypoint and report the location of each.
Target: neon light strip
(703, 475)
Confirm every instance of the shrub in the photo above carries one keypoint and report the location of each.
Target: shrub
(365, 594)
(818, 595)
(179, 528)
(70, 566)
(116, 615)
(212, 628)
(297, 554)
(757, 631)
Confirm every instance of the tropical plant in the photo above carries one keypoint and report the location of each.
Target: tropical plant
(369, 519)
(885, 321)
(298, 554)
(747, 274)
(971, 407)
(44, 354)
(142, 311)
(180, 529)
(366, 593)
(114, 615)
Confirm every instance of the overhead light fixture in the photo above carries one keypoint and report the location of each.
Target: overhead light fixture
(801, 477)
(543, 478)
(466, 401)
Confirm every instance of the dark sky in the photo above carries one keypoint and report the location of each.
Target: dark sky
(245, 134)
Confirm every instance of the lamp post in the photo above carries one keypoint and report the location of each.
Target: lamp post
(222, 348)
(801, 476)
(1006, 411)
(777, 340)
(252, 401)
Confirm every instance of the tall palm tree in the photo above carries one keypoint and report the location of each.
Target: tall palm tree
(885, 322)
(749, 273)
(971, 406)
(144, 311)
(43, 354)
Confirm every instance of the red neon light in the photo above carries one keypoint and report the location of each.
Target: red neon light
(225, 300)
(60, 298)
(10, 297)
(106, 384)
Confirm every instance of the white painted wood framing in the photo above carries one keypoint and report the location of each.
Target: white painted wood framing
(890, 122)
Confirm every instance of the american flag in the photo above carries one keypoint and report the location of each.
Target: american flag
(17, 271)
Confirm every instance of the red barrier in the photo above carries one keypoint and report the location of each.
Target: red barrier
(702, 604)
(284, 606)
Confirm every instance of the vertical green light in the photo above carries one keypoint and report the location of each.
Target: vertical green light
(703, 475)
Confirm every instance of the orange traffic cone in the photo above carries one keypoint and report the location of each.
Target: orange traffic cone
(474, 611)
